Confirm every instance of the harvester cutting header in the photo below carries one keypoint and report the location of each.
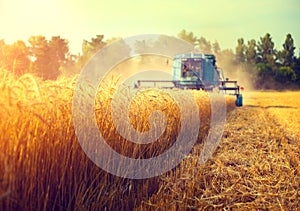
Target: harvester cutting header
(196, 71)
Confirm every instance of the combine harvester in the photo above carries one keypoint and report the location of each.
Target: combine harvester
(196, 71)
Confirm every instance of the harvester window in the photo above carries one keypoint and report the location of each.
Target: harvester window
(190, 67)
(184, 70)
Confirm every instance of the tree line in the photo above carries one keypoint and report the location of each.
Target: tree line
(266, 66)
(47, 59)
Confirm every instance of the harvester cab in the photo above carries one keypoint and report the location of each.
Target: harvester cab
(196, 71)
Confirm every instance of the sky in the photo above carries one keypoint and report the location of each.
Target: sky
(217, 20)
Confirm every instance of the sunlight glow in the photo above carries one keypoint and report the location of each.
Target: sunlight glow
(223, 21)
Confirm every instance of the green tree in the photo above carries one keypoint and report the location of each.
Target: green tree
(216, 48)
(48, 56)
(187, 36)
(40, 52)
(264, 76)
(240, 51)
(14, 57)
(285, 75)
(287, 55)
(61, 58)
(250, 52)
(296, 68)
(59, 49)
(69, 68)
(266, 51)
(204, 45)
(250, 61)
(89, 49)
(19, 54)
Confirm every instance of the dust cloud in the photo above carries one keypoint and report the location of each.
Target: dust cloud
(236, 72)
(145, 67)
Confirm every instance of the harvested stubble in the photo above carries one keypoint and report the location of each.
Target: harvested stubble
(255, 167)
(42, 166)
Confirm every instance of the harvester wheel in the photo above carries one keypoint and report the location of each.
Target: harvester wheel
(239, 100)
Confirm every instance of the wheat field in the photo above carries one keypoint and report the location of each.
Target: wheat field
(42, 165)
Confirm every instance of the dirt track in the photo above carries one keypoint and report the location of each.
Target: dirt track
(256, 165)
(261, 145)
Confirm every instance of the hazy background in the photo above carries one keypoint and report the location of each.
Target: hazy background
(221, 20)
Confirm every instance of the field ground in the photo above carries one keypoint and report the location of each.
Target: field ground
(284, 106)
(257, 164)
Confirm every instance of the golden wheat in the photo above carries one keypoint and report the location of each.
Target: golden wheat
(43, 167)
